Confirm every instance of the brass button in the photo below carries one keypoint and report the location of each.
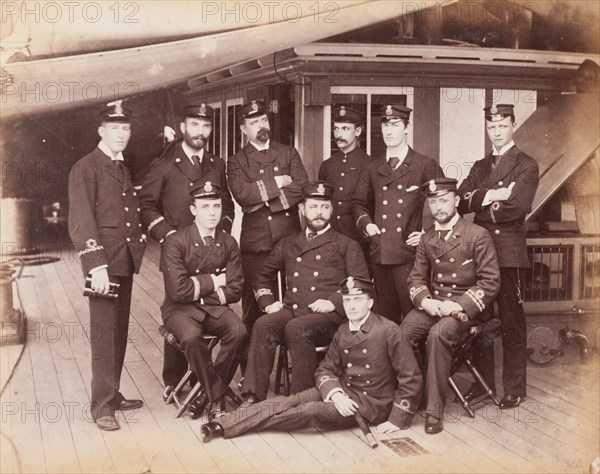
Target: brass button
(295, 306)
(349, 365)
(385, 188)
(294, 290)
(383, 230)
(384, 202)
(296, 274)
(384, 216)
(316, 274)
(454, 275)
(440, 275)
(298, 259)
(449, 295)
(364, 351)
(400, 201)
(346, 351)
(399, 186)
(497, 231)
(437, 260)
(398, 229)
(270, 218)
(451, 259)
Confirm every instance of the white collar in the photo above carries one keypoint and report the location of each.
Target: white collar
(448, 225)
(356, 327)
(504, 149)
(320, 232)
(189, 152)
(107, 151)
(402, 153)
(261, 148)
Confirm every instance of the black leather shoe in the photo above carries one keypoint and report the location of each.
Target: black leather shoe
(216, 410)
(510, 401)
(210, 431)
(130, 404)
(197, 406)
(433, 425)
(108, 423)
(167, 391)
(475, 391)
(250, 400)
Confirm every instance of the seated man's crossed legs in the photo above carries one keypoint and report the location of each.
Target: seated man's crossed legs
(301, 333)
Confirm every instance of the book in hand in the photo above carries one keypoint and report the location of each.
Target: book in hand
(113, 291)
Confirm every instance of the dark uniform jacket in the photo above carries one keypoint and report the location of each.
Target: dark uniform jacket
(269, 212)
(504, 220)
(184, 257)
(397, 204)
(313, 270)
(343, 171)
(166, 191)
(365, 366)
(463, 268)
(104, 215)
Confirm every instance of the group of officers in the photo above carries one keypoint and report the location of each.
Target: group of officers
(384, 262)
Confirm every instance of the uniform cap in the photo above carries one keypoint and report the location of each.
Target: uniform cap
(206, 190)
(345, 114)
(439, 187)
(392, 112)
(115, 112)
(252, 109)
(497, 112)
(356, 286)
(318, 190)
(199, 111)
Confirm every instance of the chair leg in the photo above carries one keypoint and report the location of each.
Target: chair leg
(193, 394)
(465, 404)
(179, 386)
(281, 370)
(286, 374)
(489, 393)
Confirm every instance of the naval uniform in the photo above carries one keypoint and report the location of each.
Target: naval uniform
(505, 222)
(269, 212)
(165, 203)
(342, 171)
(313, 270)
(464, 269)
(193, 306)
(392, 200)
(362, 365)
(105, 227)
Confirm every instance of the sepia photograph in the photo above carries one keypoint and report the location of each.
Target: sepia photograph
(310, 236)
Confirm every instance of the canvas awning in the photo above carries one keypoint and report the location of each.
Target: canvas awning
(62, 82)
(561, 136)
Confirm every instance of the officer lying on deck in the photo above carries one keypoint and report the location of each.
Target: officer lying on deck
(358, 375)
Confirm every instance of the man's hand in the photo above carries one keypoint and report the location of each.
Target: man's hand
(274, 307)
(100, 282)
(386, 427)
(432, 307)
(220, 280)
(372, 230)
(283, 181)
(500, 194)
(448, 307)
(414, 238)
(344, 404)
(322, 306)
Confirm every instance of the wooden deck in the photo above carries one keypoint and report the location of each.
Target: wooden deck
(46, 426)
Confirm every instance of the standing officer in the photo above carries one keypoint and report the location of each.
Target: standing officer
(266, 179)
(314, 262)
(455, 271)
(388, 209)
(165, 198)
(342, 171)
(358, 375)
(203, 275)
(105, 228)
(500, 190)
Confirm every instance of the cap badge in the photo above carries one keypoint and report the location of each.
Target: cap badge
(350, 283)
(321, 189)
(494, 110)
(254, 106)
(432, 186)
(388, 110)
(202, 109)
(342, 111)
(118, 105)
(208, 187)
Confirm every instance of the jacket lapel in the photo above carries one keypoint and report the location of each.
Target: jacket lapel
(184, 165)
(406, 167)
(307, 245)
(507, 164)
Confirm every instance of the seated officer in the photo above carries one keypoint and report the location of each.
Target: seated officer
(313, 261)
(358, 375)
(462, 260)
(203, 275)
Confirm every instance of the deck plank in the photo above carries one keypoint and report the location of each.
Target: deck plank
(555, 429)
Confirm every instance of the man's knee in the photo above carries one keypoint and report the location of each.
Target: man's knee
(296, 332)
(235, 333)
